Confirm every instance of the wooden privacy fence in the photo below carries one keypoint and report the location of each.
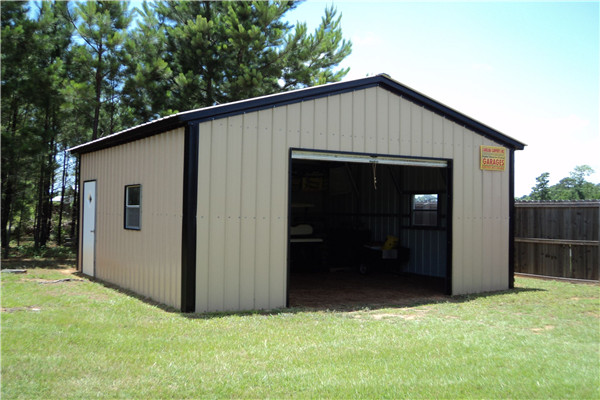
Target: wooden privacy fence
(558, 238)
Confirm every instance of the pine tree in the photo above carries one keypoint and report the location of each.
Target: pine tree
(53, 38)
(217, 52)
(18, 33)
(102, 25)
(75, 71)
(33, 55)
(146, 93)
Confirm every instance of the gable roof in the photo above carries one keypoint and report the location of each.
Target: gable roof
(279, 99)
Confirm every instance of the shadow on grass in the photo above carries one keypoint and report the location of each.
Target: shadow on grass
(333, 305)
(32, 263)
(409, 302)
(366, 306)
(345, 308)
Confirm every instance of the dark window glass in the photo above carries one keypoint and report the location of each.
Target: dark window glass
(133, 195)
(425, 210)
(133, 218)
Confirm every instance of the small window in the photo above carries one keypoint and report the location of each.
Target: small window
(133, 207)
(425, 210)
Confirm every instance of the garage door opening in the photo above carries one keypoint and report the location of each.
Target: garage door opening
(367, 229)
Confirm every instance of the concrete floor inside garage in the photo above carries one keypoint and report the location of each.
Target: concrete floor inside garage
(347, 290)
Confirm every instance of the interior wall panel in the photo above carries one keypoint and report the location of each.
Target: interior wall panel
(427, 251)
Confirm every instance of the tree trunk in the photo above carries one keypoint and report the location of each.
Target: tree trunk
(112, 110)
(75, 209)
(20, 226)
(44, 204)
(210, 96)
(10, 224)
(62, 200)
(98, 87)
(8, 175)
(37, 229)
(7, 196)
(48, 194)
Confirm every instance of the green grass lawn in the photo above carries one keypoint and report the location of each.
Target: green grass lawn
(81, 339)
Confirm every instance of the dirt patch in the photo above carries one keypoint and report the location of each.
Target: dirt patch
(540, 330)
(15, 309)
(406, 317)
(349, 290)
(51, 281)
(593, 314)
(68, 271)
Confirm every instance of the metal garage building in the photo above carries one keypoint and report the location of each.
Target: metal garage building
(211, 209)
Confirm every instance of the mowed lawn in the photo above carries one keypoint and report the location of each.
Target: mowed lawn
(81, 339)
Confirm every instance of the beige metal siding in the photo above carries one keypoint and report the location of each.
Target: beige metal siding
(243, 191)
(147, 261)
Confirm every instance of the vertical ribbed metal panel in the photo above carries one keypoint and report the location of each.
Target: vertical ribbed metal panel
(243, 198)
(346, 125)
(393, 124)
(147, 261)
(427, 252)
(216, 218)
(469, 217)
(278, 210)
(358, 121)
(233, 223)
(263, 207)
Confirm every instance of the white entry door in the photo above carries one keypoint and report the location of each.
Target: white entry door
(88, 247)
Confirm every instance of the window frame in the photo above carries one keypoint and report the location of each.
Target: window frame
(128, 207)
(414, 211)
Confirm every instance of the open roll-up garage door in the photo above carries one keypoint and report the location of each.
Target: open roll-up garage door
(367, 158)
(368, 218)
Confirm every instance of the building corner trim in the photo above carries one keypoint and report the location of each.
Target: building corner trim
(188, 224)
(511, 221)
(449, 225)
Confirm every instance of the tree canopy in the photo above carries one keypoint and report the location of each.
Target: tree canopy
(76, 71)
(573, 187)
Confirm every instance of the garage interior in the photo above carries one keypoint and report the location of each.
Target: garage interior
(367, 230)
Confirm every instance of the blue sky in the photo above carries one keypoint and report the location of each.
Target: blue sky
(529, 70)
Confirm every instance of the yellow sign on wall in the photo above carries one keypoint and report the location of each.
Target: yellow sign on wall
(493, 158)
